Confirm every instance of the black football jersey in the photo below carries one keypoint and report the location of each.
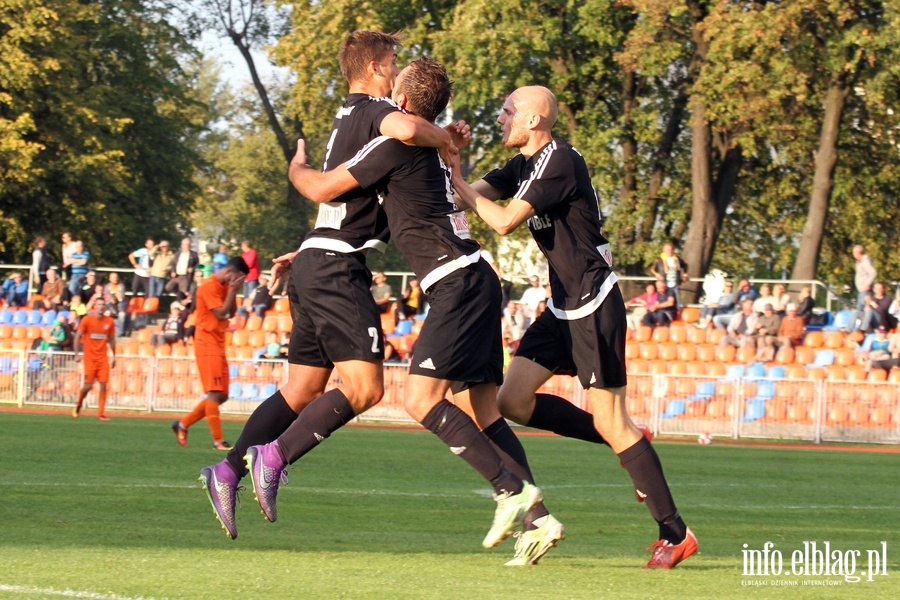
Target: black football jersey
(566, 226)
(354, 220)
(428, 227)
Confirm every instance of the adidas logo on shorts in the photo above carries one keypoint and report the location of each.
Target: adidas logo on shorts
(427, 364)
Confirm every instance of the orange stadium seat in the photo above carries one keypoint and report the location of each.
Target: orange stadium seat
(877, 375)
(844, 357)
(715, 369)
(706, 352)
(690, 314)
(668, 351)
(696, 335)
(6, 331)
(856, 373)
(696, 368)
(637, 366)
(660, 334)
(632, 350)
(179, 350)
(256, 339)
(270, 323)
(643, 333)
(239, 337)
(745, 354)
(835, 373)
(35, 332)
(795, 371)
(894, 375)
(804, 355)
(677, 367)
(143, 335)
(714, 336)
(164, 350)
(784, 356)
(813, 339)
(285, 323)
(833, 339)
(254, 322)
(687, 352)
(132, 347)
(150, 306)
(678, 333)
(658, 367)
(649, 350)
(281, 305)
(725, 354)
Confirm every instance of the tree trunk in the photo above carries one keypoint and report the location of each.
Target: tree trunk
(825, 161)
(628, 189)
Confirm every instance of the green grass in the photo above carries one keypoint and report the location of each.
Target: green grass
(113, 510)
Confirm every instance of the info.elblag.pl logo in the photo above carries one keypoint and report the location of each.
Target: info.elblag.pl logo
(820, 560)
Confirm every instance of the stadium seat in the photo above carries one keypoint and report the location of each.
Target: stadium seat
(135, 303)
(20, 317)
(784, 356)
(660, 334)
(714, 336)
(282, 305)
(823, 358)
(668, 351)
(877, 375)
(687, 352)
(270, 323)
(637, 366)
(856, 373)
(250, 391)
(285, 323)
(239, 337)
(658, 367)
(649, 350)
(835, 373)
(823, 319)
(725, 354)
(675, 408)
(6, 317)
(813, 339)
(256, 339)
(706, 353)
(756, 370)
(48, 318)
(705, 390)
(755, 409)
(841, 321)
(690, 314)
(149, 306)
(267, 390)
(35, 317)
(833, 339)
(632, 350)
(233, 371)
(677, 367)
(5, 332)
(735, 372)
(234, 390)
(776, 372)
(254, 322)
(844, 357)
(678, 334)
(695, 409)
(804, 355)
(696, 368)
(696, 335)
(745, 354)
(643, 333)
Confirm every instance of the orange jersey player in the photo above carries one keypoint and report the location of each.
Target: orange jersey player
(216, 303)
(96, 331)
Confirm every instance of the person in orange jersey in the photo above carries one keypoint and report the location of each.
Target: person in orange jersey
(216, 303)
(96, 331)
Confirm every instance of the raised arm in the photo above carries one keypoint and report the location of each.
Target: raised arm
(316, 185)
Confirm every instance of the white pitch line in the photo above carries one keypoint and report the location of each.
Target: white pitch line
(28, 590)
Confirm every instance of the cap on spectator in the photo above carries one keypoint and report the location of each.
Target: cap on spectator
(791, 306)
(881, 329)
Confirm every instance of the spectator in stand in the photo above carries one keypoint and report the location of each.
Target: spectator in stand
(765, 297)
(220, 258)
(639, 305)
(531, 297)
(792, 328)
(272, 347)
(781, 298)
(863, 278)
(51, 292)
(805, 304)
(412, 302)
(894, 308)
(663, 311)
(184, 263)
(248, 253)
(172, 328)
(115, 294)
(141, 259)
(722, 305)
(40, 262)
(259, 300)
(80, 260)
(741, 327)
(55, 339)
(514, 324)
(99, 293)
(765, 334)
(77, 307)
(541, 307)
(187, 300)
(670, 268)
(15, 289)
(877, 310)
(88, 282)
(68, 249)
(161, 265)
(381, 292)
(891, 358)
(744, 292)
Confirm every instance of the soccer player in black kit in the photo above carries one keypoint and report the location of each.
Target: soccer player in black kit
(460, 343)
(582, 332)
(335, 321)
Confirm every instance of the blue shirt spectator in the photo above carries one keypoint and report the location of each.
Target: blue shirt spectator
(220, 258)
(15, 290)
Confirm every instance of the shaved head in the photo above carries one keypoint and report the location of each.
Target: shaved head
(537, 100)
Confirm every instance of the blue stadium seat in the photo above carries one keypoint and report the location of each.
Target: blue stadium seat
(49, 318)
(250, 391)
(64, 314)
(823, 359)
(233, 372)
(756, 409)
(6, 317)
(234, 390)
(20, 317)
(674, 409)
(9, 364)
(705, 390)
(35, 317)
(733, 372)
(842, 320)
(776, 372)
(267, 390)
(756, 370)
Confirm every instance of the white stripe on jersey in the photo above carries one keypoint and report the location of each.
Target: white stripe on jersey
(366, 150)
(445, 269)
(590, 307)
(339, 246)
(539, 166)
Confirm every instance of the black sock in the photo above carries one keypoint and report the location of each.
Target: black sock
(268, 421)
(324, 415)
(459, 432)
(513, 454)
(552, 413)
(642, 463)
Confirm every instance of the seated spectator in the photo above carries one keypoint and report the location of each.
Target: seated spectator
(888, 360)
(744, 292)
(781, 299)
(722, 305)
(541, 307)
(764, 298)
(381, 292)
(894, 308)
(741, 327)
(15, 289)
(514, 324)
(876, 311)
(639, 305)
(765, 333)
(99, 292)
(77, 307)
(272, 349)
(51, 292)
(663, 311)
(805, 304)
(55, 339)
(85, 289)
(792, 328)
(874, 347)
(259, 300)
(172, 328)
(412, 302)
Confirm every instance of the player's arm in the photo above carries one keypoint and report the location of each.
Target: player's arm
(502, 219)
(226, 311)
(316, 185)
(111, 342)
(76, 344)
(413, 130)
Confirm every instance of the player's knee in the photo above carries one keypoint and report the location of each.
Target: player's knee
(512, 408)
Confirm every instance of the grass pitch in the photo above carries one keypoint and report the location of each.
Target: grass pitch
(113, 511)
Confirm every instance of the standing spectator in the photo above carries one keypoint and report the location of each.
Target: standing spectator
(220, 258)
(741, 327)
(663, 311)
(188, 300)
(765, 334)
(805, 304)
(51, 292)
(531, 297)
(160, 268)
(670, 268)
(115, 294)
(15, 289)
(141, 259)
(80, 259)
(864, 277)
(792, 328)
(40, 262)
(259, 300)
(514, 324)
(381, 292)
(894, 308)
(184, 263)
(98, 331)
(412, 302)
(68, 249)
(248, 253)
(876, 310)
(722, 305)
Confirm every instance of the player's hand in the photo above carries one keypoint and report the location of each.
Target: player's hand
(299, 159)
(460, 134)
(236, 282)
(112, 363)
(281, 269)
(77, 358)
